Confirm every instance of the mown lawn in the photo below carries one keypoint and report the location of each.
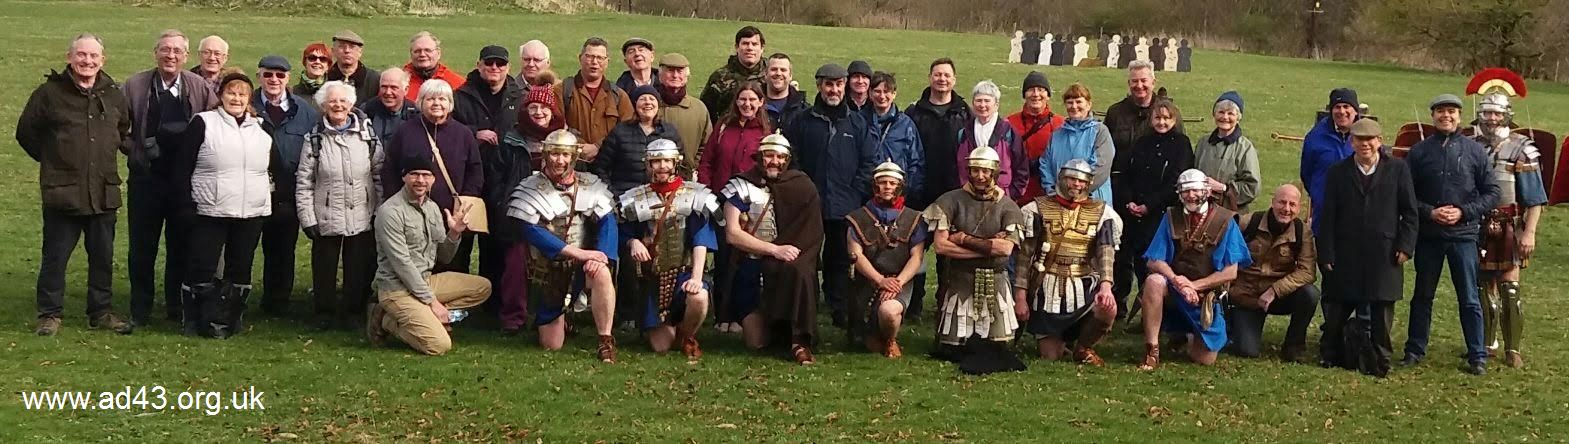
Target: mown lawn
(332, 387)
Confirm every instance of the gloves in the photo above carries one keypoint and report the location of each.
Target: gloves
(313, 232)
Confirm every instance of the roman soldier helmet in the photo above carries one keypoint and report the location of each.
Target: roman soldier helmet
(661, 149)
(888, 169)
(1497, 86)
(775, 142)
(1192, 179)
(985, 157)
(561, 141)
(1077, 169)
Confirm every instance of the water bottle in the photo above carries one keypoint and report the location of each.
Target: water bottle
(458, 315)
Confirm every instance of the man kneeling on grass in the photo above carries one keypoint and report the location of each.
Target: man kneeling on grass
(411, 238)
(886, 244)
(1195, 253)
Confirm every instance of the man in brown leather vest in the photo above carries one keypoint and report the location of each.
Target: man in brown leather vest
(1195, 253)
(1280, 281)
(886, 244)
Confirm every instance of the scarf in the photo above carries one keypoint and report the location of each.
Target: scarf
(1215, 138)
(671, 96)
(992, 194)
(425, 73)
(831, 112)
(312, 84)
(667, 187)
(1065, 202)
(897, 203)
(533, 131)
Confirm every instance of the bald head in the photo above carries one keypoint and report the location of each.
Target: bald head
(1284, 205)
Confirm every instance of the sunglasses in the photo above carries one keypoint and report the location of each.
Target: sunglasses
(317, 58)
(274, 75)
(495, 63)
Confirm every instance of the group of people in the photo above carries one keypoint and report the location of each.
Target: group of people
(586, 194)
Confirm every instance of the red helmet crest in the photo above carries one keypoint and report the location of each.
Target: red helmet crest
(1501, 79)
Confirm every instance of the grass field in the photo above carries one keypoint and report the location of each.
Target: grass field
(332, 387)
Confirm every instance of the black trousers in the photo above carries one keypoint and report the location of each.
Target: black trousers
(279, 237)
(835, 265)
(1381, 320)
(234, 239)
(1130, 267)
(358, 254)
(152, 211)
(61, 231)
(492, 262)
(1246, 325)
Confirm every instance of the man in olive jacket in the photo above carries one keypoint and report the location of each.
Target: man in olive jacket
(72, 126)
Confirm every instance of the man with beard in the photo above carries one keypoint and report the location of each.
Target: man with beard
(686, 113)
(774, 221)
(860, 85)
(782, 100)
(1063, 282)
(834, 148)
(668, 227)
(287, 118)
(1196, 252)
(347, 49)
(425, 64)
(567, 222)
(638, 54)
(745, 65)
(887, 242)
(976, 228)
(388, 108)
(939, 115)
(1509, 234)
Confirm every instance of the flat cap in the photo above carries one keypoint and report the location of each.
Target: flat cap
(674, 60)
(832, 71)
(348, 36)
(1366, 128)
(274, 62)
(637, 41)
(1445, 100)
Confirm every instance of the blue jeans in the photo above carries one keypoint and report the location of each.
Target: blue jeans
(1462, 257)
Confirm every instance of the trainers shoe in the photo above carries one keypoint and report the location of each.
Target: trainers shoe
(1513, 360)
(373, 331)
(607, 349)
(48, 326)
(109, 320)
(690, 348)
(802, 354)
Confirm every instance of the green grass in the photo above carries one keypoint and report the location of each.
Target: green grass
(332, 387)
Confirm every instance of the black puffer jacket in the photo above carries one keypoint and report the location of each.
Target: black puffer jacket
(620, 160)
(510, 164)
(939, 132)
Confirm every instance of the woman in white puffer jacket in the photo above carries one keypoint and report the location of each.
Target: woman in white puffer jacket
(337, 190)
(226, 155)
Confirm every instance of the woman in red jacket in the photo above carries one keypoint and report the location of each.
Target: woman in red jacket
(730, 148)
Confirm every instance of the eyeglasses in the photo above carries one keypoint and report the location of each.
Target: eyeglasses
(170, 50)
(595, 58)
(274, 75)
(494, 63)
(213, 53)
(317, 58)
(533, 60)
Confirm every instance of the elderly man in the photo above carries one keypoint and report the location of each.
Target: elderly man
(783, 100)
(414, 304)
(389, 107)
(567, 220)
(347, 49)
(161, 101)
(1129, 119)
(1510, 235)
(1280, 281)
(287, 118)
(1196, 251)
(668, 227)
(834, 147)
(860, 84)
(214, 53)
(771, 220)
(592, 105)
(887, 242)
(534, 58)
(638, 54)
(1369, 231)
(939, 115)
(1455, 190)
(689, 115)
(1063, 278)
(487, 104)
(425, 64)
(1328, 143)
(73, 125)
(976, 229)
(745, 64)
(1034, 124)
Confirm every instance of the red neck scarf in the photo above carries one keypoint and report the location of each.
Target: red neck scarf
(1069, 204)
(897, 203)
(667, 187)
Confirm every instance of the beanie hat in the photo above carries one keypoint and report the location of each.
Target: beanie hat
(1037, 80)
(1233, 97)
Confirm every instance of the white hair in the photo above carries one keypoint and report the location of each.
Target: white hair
(424, 34)
(214, 40)
(523, 49)
(185, 43)
(432, 88)
(1227, 105)
(1141, 64)
(79, 38)
(987, 88)
(398, 71)
(322, 94)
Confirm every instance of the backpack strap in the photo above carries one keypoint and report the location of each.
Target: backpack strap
(568, 86)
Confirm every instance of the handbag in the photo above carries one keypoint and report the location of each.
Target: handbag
(478, 219)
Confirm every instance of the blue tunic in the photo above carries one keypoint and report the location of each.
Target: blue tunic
(550, 247)
(699, 233)
(1181, 316)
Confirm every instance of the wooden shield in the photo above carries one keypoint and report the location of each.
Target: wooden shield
(1409, 135)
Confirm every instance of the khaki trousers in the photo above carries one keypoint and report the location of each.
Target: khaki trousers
(412, 322)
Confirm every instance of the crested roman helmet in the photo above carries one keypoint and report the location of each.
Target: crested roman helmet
(1497, 86)
(985, 157)
(888, 169)
(775, 142)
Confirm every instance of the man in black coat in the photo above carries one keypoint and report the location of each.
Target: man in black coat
(488, 104)
(1367, 232)
(939, 115)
